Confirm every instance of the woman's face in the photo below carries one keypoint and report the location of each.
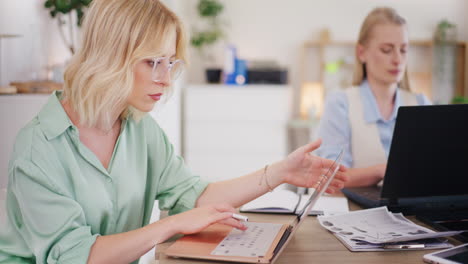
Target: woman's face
(146, 91)
(385, 53)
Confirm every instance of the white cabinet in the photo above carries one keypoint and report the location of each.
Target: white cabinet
(233, 130)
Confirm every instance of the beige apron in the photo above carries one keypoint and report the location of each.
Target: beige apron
(366, 147)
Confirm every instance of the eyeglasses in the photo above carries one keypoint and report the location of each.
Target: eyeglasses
(163, 66)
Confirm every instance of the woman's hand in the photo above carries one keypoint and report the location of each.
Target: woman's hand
(195, 220)
(367, 176)
(303, 169)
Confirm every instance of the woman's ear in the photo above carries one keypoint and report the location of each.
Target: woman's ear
(360, 53)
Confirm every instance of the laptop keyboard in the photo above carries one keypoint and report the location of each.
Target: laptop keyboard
(253, 242)
(371, 195)
(442, 215)
(448, 220)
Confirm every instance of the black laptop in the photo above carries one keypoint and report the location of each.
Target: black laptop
(427, 170)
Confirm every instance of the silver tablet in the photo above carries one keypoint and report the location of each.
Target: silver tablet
(455, 255)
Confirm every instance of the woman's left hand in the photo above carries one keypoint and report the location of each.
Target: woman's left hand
(303, 169)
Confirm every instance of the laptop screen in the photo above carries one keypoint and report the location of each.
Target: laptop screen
(429, 153)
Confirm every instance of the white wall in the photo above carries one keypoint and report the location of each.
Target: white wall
(29, 56)
(275, 29)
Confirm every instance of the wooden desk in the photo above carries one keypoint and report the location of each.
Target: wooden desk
(313, 244)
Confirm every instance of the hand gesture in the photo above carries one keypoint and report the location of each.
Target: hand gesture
(304, 169)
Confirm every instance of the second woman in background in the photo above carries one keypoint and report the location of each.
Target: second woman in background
(362, 117)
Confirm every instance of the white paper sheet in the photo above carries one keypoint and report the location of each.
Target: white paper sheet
(360, 246)
(377, 226)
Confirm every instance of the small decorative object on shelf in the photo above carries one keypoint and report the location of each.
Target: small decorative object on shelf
(311, 103)
(213, 75)
(325, 35)
(8, 89)
(5, 88)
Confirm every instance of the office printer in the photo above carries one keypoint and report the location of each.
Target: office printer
(266, 72)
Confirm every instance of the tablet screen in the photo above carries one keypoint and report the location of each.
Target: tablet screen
(459, 254)
(321, 186)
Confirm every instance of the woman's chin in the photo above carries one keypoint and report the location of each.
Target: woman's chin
(145, 108)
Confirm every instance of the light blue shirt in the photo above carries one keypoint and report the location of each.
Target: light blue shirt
(335, 127)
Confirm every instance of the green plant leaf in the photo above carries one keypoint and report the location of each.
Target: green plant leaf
(209, 8)
(63, 6)
(86, 2)
(67, 6)
(460, 100)
(79, 15)
(48, 4)
(196, 41)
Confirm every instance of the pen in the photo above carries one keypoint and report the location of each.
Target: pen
(240, 217)
(404, 246)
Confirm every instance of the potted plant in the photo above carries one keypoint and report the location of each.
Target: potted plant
(63, 10)
(446, 32)
(445, 62)
(202, 40)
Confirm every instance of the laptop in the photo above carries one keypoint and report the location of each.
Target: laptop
(427, 172)
(260, 243)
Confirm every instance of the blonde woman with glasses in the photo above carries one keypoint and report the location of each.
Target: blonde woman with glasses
(362, 117)
(87, 169)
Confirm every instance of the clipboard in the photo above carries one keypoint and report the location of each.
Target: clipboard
(200, 245)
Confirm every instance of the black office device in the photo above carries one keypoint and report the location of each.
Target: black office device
(427, 169)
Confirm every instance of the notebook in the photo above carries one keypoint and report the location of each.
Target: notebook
(284, 201)
(426, 169)
(260, 243)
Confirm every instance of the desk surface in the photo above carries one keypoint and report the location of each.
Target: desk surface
(314, 244)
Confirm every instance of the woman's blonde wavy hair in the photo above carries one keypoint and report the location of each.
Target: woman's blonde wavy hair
(116, 35)
(381, 15)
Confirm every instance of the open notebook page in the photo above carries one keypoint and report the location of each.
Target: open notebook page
(327, 205)
(278, 201)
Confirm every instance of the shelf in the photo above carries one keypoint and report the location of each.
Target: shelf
(314, 60)
(427, 43)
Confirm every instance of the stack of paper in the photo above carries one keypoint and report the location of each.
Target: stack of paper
(378, 229)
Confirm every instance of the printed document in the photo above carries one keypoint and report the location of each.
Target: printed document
(378, 226)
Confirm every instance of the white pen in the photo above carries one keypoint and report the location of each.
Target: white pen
(240, 217)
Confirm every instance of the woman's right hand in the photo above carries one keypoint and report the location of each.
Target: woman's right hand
(195, 220)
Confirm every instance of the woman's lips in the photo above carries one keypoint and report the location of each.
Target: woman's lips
(155, 97)
(394, 72)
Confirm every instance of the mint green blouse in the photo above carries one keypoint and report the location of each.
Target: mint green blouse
(60, 197)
